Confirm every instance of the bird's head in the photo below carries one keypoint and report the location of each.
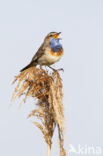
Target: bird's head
(52, 35)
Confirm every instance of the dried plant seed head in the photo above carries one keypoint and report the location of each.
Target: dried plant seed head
(47, 90)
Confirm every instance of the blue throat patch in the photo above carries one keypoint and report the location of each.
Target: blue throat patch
(55, 45)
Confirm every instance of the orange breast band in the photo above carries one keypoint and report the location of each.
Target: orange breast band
(59, 53)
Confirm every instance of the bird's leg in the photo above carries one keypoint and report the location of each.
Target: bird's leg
(61, 69)
(52, 68)
(56, 69)
(40, 66)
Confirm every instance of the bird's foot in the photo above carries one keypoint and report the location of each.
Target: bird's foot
(61, 69)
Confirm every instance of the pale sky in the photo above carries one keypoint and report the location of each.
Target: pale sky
(23, 26)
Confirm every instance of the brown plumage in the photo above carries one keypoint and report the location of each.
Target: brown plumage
(34, 60)
(44, 55)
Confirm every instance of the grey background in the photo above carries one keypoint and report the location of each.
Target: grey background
(23, 26)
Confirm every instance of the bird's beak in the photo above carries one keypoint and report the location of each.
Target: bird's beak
(57, 35)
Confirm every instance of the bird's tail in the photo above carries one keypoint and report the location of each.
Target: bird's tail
(28, 66)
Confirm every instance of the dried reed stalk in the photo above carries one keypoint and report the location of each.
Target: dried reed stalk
(48, 154)
(47, 89)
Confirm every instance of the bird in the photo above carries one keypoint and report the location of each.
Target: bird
(49, 52)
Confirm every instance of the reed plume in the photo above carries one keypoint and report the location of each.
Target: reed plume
(46, 89)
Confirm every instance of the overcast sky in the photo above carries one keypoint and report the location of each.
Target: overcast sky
(23, 26)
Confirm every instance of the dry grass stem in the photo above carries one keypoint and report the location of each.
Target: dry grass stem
(46, 88)
(48, 154)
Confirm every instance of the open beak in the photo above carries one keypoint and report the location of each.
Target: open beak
(57, 35)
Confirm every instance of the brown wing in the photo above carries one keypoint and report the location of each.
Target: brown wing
(34, 60)
(39, 53)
